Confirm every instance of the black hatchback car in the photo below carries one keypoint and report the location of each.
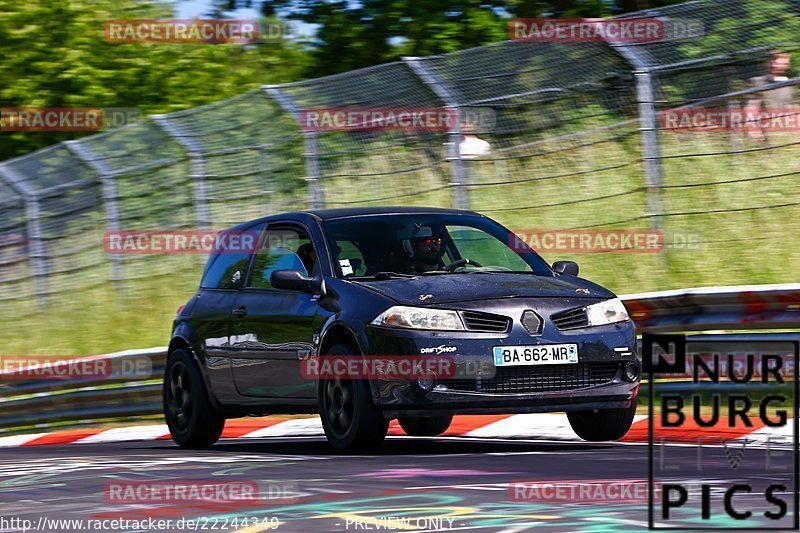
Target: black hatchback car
(513, 334)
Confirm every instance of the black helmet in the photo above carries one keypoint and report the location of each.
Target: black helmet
(426, 246)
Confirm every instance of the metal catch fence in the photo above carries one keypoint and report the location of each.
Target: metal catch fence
(571, 136)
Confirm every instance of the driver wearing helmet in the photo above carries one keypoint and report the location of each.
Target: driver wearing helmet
(426, 251)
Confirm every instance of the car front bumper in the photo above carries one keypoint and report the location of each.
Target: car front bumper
(408, 400)
(597, 381)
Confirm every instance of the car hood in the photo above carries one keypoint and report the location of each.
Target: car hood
(441, 289)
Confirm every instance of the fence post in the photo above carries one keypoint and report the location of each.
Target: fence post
(316, 195)
(440, 89)
(197, 168)
(33, 214)
(110, 196)
(646, 83)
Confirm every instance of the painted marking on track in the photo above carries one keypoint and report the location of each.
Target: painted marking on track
(19, 440)
(549, 426)
(235, 428)
(63, 437)
(472, 486)
(124, 434)
(616, 521)
(298, 426)
(521, 527)
(404, 473)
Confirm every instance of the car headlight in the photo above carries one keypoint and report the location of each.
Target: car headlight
(607, 312)
(401, 316)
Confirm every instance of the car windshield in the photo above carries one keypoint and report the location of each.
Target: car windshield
(384, 246)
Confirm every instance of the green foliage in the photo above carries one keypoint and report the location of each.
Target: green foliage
(54, 54)
(359, 34)
(755, 24)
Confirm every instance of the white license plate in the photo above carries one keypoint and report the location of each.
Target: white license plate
(543, 354)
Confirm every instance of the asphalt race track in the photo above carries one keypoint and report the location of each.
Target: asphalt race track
(427, 481)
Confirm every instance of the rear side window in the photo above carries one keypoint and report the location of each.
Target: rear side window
(228, 268)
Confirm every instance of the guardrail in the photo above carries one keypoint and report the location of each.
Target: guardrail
(132, 387)
(743, 307)
(128, 385)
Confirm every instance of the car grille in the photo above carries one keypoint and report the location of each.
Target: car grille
(551, 378)
(574, 318)
(475, 321)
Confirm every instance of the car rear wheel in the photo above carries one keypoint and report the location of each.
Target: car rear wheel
(428, 426)
(192, 420)
(602, 424)
(350, 418)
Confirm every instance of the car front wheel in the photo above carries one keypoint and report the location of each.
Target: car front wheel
(350, 418)
(192, 420)
(602, 424)
(429, 426)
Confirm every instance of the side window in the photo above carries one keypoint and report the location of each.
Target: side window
(228, 267)
(283, 248)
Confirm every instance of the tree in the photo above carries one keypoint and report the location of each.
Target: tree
(358, 34)
(54, 54)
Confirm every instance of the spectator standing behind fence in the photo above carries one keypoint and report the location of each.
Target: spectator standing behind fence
(471, 146)
(781, 99)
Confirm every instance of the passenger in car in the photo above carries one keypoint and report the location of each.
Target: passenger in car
(308, 256)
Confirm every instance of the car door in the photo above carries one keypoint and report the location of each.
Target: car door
(223, 276)
(272, 329)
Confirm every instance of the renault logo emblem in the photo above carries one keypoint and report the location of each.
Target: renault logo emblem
(532, 322)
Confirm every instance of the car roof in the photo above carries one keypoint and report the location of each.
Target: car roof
(346, 212)
(343, 212)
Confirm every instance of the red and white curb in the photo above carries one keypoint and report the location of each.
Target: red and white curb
(549, 426)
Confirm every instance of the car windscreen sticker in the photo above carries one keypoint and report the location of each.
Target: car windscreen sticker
(347, 268)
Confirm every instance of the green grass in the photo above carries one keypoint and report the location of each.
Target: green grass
(739, 247)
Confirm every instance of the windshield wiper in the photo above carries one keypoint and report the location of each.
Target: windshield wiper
(379, 276)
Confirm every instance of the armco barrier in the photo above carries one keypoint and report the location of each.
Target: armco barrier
(743, 307)
(42, 402)
(29, 401)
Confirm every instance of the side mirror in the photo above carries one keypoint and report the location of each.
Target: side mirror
(294, 280)
(570, 268)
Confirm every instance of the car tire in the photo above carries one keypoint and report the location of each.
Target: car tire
(602, 424)
(192, 420)
(425, 426)
(350, 418)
